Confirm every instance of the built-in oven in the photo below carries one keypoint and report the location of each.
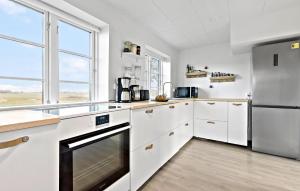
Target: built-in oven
(95, 160)
(186, 92)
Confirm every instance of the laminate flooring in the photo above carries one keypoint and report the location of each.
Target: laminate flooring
(211, 166)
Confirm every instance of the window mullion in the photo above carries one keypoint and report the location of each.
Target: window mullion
(46, 95)
(93, 68)
(53, 61)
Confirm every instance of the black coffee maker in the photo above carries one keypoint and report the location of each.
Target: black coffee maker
(123, 91)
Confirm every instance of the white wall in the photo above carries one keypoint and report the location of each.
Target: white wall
(218, 58)
(250, 28)
(123, 28)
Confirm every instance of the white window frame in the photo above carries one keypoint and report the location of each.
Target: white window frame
(159, 74)
(55, 57)
(44, 47)
(50, 76)
(162, 57)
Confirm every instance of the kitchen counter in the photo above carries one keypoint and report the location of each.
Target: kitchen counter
(23, 119)
(145, 104)
(223, 99)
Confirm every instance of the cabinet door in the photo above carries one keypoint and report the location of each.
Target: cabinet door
(123, 184)
(32, 165)
(186, 111)
(172, 116)
(167, 146)
(144, 163)
(146, 125)
(211, 110)
(238, 123)
(184, 134)
(214, 130)
(188, 130)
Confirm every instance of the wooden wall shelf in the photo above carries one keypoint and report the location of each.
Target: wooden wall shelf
(196, 74)
(223, 79)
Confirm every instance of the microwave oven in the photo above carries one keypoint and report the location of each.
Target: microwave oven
(186, 92)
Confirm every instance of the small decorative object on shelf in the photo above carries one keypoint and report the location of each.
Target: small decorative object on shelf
(127, 46)
(191, 73)
(138, 50)
(222, 77)
(130, 47)
(134, 48)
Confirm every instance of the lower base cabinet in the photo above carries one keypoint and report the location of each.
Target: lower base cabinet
(146, 160)
(168, 146)
(144, 163)
(185, 133)
(157, 139)
(33, 165)
(222, 121)
(214, 130)
(123, 184)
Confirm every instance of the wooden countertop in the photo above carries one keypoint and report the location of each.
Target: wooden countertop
(23, 119)
(145, 104)
(223, 99)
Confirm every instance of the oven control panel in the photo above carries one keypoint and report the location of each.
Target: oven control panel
(101, 120)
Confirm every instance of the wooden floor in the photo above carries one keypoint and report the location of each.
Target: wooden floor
(211, 166)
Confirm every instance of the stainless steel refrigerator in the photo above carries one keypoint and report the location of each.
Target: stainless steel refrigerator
(276, 99)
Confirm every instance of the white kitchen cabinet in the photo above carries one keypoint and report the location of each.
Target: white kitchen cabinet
(168, 146)
(72, 127)
(186, 110)
(184, 133)
(211, 110)
(238, 123)
(76, 126)
(32, 165)
(170, 116)
(156, 136)
(214, 130)
(188, 131)
(123, 184)
(147, 125)
(145, 161)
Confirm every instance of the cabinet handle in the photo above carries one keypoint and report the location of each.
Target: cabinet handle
(149, 147)
(15, 142)
(149, 111)
(172, 107)
(172, 133)
(210, 122)
(186, 124)
(186, 103)
(211, 103)
(237, 104)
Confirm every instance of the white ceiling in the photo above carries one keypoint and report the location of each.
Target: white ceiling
(191, 23)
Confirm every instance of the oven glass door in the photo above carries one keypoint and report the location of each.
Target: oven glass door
(94, 161)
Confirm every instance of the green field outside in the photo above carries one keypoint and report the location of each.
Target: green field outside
(35, 98)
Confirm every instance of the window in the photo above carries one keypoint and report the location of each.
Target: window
(42, 65)
(155, 74)
(21, 54)
(74, 63)
(159, 73)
